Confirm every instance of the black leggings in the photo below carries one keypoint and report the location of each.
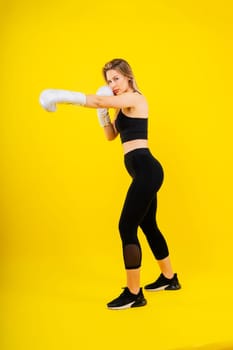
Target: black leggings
(140, 206)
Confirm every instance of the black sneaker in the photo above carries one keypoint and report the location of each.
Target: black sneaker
(163, 283)
(127, 300)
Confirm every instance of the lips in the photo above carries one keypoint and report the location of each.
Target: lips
(115, 91)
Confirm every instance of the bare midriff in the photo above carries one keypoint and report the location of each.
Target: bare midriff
(134, 144)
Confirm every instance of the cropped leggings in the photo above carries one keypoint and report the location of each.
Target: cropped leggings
(140, 207)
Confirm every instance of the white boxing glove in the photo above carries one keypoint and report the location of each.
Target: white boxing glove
(104, 91)
(50, 97)
(102, 113)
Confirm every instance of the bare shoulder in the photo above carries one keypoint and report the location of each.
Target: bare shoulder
(140, 97)
(137, 98)
(140, 107)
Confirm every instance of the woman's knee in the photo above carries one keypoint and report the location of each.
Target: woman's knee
(128, 231)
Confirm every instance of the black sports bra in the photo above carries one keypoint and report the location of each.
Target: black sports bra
(131, 128)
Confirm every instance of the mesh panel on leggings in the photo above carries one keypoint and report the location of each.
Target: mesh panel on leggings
(132, 256)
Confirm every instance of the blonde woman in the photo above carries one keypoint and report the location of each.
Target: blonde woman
(139, 209)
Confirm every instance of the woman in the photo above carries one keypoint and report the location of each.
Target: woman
(140, 205)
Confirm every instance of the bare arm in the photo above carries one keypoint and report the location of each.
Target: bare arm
(50, 97)
(110, 131)
(125, 100)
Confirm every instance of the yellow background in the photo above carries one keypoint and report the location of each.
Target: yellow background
(63, 184)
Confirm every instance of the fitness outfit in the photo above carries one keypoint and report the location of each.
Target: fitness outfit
(140, 205)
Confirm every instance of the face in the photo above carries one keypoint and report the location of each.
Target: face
(117, 82)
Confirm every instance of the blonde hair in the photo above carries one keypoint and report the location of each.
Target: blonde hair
(122, 67)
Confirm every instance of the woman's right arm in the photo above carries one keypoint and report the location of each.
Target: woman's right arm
(50, 97)
(110, 131)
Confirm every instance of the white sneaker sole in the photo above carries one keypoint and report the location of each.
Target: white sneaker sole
(126, 306)
(157, 289)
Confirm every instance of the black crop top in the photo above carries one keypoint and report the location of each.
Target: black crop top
(131, 128)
